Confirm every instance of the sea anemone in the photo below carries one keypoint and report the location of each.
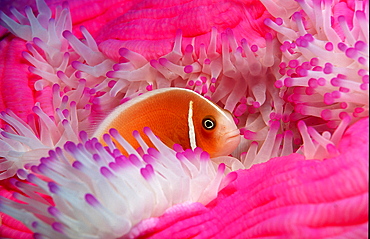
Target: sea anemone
(293, 73)
(103, 193)
(288, 197)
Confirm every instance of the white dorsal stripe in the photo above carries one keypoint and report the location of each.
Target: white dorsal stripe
(193, 143)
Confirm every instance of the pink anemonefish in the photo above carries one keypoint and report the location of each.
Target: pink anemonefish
(176, 116)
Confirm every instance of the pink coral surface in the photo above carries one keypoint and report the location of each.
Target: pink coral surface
(287, 197)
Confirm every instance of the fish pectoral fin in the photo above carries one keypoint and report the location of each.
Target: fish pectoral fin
(168, 142)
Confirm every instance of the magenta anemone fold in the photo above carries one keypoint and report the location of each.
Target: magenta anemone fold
(294, 74)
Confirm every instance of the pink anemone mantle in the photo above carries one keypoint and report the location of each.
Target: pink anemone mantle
(295, 74)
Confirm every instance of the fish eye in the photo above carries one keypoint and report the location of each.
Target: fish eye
(209, 123)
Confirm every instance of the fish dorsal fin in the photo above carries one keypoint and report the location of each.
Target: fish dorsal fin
(193, 143)
(95, 119)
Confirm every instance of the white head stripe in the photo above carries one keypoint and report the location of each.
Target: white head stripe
(193, 144)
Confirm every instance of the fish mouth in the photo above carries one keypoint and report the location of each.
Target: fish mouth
(232, 134)
(231, 142)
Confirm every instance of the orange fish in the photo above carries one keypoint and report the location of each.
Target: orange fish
(176, 116)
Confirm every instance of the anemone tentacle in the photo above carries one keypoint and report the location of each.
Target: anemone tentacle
(324, 71)
(111, 192)
(22, 144)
